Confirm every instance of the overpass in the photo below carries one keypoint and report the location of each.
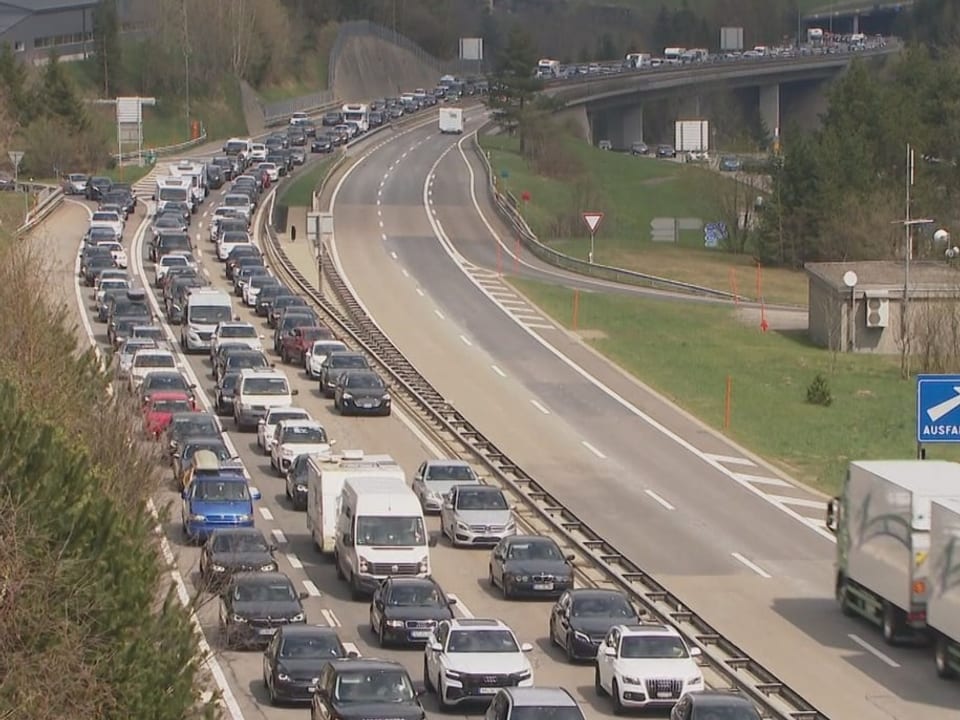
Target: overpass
(858, 16)
(611, 106)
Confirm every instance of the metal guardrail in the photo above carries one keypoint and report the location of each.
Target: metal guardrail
(49, 199)
(730, 663)
(164, 150)
(279, 113)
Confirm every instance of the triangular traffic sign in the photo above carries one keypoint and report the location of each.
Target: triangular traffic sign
(592, 219)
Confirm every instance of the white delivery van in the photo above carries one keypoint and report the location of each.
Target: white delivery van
(197, 174)
(172, 189)
(451, 120)
(358, 113)
(258, 390)
(380, 533)
(326, 476)
(206, 308)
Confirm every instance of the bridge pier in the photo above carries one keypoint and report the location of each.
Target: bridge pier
(690, 108)
(578, 118)
(632, 127)
(770, 110)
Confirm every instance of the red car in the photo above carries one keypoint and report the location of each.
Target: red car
(295, 344)
(159, 410)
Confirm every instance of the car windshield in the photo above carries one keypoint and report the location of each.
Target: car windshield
(364, 381)
(196, 425)
(373, 686)
(235, 201)
(238, 331)
(218, 490)
(264, 592)
(148, 331)
(448, 473)
(602, 606)
(390, 531)
(165, 382)
(414, 595)
(209, 314)
(240, 543)
(266, 386)
(325, 348)
(540, 712)
(171, 406)
(533, 551)
(655, 646)
(170, 260)
(482, 641)
(243, 361)
(129, 347)
(168, 221)
(325, 645)
(159, 360)
(280, 415)
(304, 434)
(348, 361)
(480, 500)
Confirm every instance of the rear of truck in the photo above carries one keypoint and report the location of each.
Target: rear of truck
(943, 605)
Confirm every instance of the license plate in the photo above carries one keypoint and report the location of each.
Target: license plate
(366, 403)
(419, 633)
(266, 631)
(543, 586)
(488, 691)
(665, 695)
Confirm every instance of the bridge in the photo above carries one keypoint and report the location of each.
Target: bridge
(858, 16)
(611, 106)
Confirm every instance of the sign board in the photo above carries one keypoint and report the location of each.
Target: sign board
(731, 38)
(938, 408)
(129, 110)
(313, 227)
(471, 49)
(15, 157)
(129, 132)
(592, 219)
(326, 223)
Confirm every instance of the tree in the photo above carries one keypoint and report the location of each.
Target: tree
(60, 97)
(106, 39)
(514, 82)
(13, 81)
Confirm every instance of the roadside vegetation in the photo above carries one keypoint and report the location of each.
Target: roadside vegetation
(299, 193)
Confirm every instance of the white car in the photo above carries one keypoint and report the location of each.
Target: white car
(271, 169)
(107, 218)
(298, 118)
(267, 426)
(174, 259)
(146, 361)
(110, 274)
(117, 252)
(252, 287)
(228, 241)
(646, 666)
(219, 214)
(258, 152)
(486, 650)
(235, 332)
(297, 437)
(240, 204)
(125, 354)
(436, 478)
(109, 284)
(317, 353)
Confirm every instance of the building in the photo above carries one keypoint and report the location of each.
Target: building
(35, 28)
(868, 317)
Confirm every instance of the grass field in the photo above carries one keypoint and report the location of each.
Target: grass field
(299, 193)
(687, 350)
(13, 209)
(631, 191)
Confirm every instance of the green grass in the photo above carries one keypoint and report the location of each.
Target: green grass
(13, 209)
(299, 193)
(311, 72)
(631, 191)
(687, 350)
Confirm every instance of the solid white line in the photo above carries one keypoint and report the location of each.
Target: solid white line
(466, 340)
(730, 459)
(498, 371)
(592, 449)
(800, 502)
(439, 314)
(763, 480)
(540, 327)
(539, 407)
(383, 236)
(279, 536)
(294, 561)
(752, 565)
(461, 609)
(520, 303)
(660, 500)
(312, 590)
(265, 512)
(883, 657)
(331, 619)
(405, 272)
(419, 292)
(393, 254)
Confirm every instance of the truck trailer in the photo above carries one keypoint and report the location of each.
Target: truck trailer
(943, 605)
(451, 121)
(882, 524)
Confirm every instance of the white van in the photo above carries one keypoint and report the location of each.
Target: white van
(206, 308)
(380, 533)
(257, 390)
(172, 189)
(326, 476)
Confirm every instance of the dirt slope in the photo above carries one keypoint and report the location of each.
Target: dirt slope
(369, 67)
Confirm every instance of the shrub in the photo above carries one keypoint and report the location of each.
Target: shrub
(818, 391)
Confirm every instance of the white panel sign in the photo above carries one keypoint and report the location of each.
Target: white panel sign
(471, 48)
(128, 110)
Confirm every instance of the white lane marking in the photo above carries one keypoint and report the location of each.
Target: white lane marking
(405, 272)
(539, 407)
(380, 193)
(406, 152)
(592, 449)
(498, 371)
(279, 536)
(439, 314)
(294, 561)
(392, 253)
(883, 657)
(752, 565)
(520, 303)
(763, 480)
(383, 236)
(460, 607)
(312, 590)
(331, 618)
(800, 502)
(265, 512)
(730, 459)
(659, 500)
(538, 326)
(466, 341)
(183, 595)
(527, 316)
(623, 402)
(387, 174)
(419, 292)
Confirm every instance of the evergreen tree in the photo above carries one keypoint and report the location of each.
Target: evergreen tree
(60, 97)
(13, 82)
(514, 82)
(106, 38)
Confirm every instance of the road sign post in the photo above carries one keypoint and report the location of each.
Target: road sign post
(938, 410)
(592, 220)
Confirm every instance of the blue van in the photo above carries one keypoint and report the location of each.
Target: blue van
(217, 500)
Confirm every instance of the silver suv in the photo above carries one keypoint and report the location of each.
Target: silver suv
(533, 703)
(476, 515)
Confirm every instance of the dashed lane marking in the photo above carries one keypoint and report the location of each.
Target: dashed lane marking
(747, 562)
(294, 561)
(312, 590)
(419, 292)
(658, 499)
(466, 341)
(279, 536)
(439, 314)
(331, 619)
(540, 407)
(883, 657)
(392, 253)
(498, 371)
(265, 512)
(592, 449)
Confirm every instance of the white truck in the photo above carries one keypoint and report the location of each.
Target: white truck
(197, 173)
(692, 136)
(451, 121)
(882, 524)
(326, 476)
(637, 61)
(380, 533)
(548, 69)
(172, 189)
(943, 605)
(206, 308)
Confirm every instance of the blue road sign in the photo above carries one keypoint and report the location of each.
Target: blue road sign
(938, 408)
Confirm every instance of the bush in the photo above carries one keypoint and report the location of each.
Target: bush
(818, 391)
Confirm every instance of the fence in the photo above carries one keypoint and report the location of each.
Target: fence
(49, 198)
(162, 151)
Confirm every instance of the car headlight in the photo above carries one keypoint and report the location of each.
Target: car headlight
(244, 518)
(347, 396)
(283, 677)
(695, 681)
(269, 567)
(452, 674)
(583, 637)
(424, 564)
(299, 617)
(386, 397)
(239, 618)
(395, 623)
(196, 517)
(519, 578)
(218, 568)
(627, 680)
(301, 488)
(462, 526)
(524, 674)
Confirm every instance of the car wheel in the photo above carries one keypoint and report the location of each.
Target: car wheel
(381, 635)
(427, 682)
(615, 694)
(271, 693)
(490, 578)
(441, 696)
(942, 658)
(597, 685)
(892, 623)
(286, 491)
(568, 648)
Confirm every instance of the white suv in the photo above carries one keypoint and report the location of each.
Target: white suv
(297, 437)
(267, 426)
(471, 659)
(235, 332)
(646, 666)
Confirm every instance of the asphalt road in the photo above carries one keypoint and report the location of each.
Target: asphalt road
(744, 548)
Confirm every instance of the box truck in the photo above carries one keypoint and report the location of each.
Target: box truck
(692, 136)
(451, 121)
(325, 478)
(882, 523)
(943, 605)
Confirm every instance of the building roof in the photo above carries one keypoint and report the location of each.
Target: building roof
(35, 6)
(888, 274)
(10, 16)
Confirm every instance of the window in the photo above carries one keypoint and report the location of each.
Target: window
(18, 46)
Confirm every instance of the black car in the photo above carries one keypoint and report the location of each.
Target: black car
(666, 151)
(268, 296)
(282, 303)
(225, 391)
(241, 359)
(215, 178)
(164, 381)
(168, 222)
(169, 241)
(322, 144)
(369, 689)
(332, 118)
(97, 235)
(253, 606)
(227, 167)
(336, 363)
(295, 658)
(376, 119)
(238, 254)
(190, 447)
(191, 425)
(231, 550)
(530, 565)
(97, 187)
(96, 264)
(709, 704)
(361, 392)
(295, 481)
(581, 618)
(405, 609)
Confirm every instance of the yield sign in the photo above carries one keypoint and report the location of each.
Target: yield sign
(592, 219)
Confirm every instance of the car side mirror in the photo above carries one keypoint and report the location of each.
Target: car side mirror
(303, 595)
(255, 494)
(295, 391)
(695, 652)
(193, 386)
(451, 600)
(436, 647)
(184, 494)
(272, 547)
(832, 514)
(570, 558)
(610, 651)
(526, 647)
(353, 654)
(332, 442)
(419, 688)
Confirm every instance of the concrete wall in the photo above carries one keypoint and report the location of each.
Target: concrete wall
(369, 67)
(829, 326)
